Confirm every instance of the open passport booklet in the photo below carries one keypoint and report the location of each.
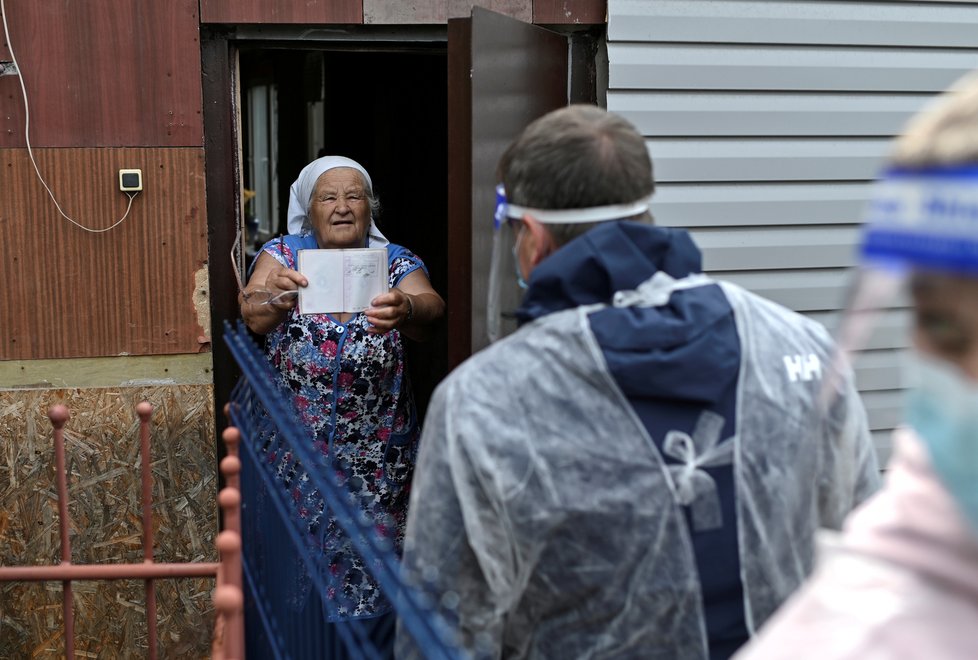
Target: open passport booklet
(341, 280)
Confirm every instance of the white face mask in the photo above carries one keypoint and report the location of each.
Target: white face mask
(943, 409)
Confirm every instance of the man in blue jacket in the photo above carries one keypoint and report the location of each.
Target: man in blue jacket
(639, 470)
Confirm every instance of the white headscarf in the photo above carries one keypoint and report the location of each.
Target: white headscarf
(300, 194)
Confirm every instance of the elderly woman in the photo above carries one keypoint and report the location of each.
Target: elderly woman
(347, 371)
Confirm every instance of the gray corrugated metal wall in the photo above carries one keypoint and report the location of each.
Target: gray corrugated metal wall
(766, 122)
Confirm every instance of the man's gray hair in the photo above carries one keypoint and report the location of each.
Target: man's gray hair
(945, 133)
(577, 157)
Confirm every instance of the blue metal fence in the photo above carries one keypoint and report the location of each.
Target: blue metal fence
(294, 606)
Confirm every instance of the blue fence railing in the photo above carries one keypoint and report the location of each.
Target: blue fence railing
(295, 504)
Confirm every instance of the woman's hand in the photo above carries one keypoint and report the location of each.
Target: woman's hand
(388, 311)
(272, 278)
(412, 307)
(281, 280)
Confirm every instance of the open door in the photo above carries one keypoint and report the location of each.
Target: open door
(502, 74)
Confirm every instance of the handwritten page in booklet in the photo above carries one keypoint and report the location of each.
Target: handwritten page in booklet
(341, 280)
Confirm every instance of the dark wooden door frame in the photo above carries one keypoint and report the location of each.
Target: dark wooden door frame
(221, 179)
(219, 47)
(459, 294)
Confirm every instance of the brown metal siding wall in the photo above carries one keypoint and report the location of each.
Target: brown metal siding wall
(104, 73)
(118, 84)
(131, 290)
(281, 11)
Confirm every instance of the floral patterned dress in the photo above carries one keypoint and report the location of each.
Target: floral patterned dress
(351, 389)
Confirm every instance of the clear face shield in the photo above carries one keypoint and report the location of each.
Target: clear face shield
(506, 282)
(920, 224)
(919, 250)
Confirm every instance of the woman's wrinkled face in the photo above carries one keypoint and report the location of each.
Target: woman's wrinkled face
(946, 319)
(339, 210)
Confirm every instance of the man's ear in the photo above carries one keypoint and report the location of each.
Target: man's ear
(541, 243)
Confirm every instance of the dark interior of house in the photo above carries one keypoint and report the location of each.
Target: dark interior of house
(388, 111)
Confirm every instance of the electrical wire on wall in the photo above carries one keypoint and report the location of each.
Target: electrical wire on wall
(27, 137)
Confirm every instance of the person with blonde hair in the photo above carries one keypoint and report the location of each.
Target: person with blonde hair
(901, 580)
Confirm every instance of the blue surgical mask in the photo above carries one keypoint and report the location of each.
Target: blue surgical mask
(943, 409)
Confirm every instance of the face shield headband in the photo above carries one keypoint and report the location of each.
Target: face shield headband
(924, 219)
(506, 211)
(917, 220)
(504, 276)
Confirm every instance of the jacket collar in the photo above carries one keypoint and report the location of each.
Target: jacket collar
(614, 256)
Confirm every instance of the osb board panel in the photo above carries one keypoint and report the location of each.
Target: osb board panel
(103, 466)
(585, 12)
(521, 9)
(139, 289)
(281, 11)
(438, 11)
(398, 13)
(104, 73)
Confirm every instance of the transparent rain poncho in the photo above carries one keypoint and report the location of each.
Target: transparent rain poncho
(547, 523)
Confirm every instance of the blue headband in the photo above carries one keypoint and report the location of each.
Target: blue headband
(924, 218)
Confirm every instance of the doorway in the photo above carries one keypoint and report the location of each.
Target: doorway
(385, 108)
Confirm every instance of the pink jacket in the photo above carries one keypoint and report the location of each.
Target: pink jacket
(900, 581)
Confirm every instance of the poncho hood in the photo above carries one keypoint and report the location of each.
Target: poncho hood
(676, 351)
(614, 256)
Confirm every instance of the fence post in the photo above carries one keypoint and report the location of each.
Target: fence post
(229, 594)
(59, 416)
(145, 412)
